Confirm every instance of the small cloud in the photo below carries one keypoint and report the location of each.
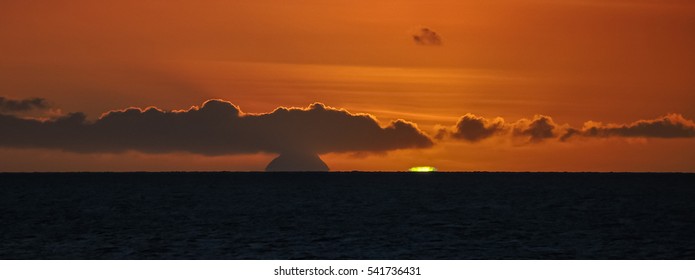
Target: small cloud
(472, 128)
(427, 37)
(569, 133)
(537, 130)
(8, 105)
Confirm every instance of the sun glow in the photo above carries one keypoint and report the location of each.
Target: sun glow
(422, 169)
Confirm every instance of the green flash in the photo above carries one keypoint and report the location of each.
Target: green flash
(422, 169)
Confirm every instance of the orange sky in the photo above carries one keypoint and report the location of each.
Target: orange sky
(613, 61)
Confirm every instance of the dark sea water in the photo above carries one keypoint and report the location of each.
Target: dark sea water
(347, 216)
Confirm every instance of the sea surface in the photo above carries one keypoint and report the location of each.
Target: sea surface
(350, 215)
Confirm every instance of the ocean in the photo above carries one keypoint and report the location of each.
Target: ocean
(347, 215)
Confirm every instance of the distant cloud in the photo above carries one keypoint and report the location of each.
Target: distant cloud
(8, 105)
(537, 130)
(668, 126)
(216, 128)
(472, 128)
(427, 37)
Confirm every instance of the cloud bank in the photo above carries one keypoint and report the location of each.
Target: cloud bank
(472, 128)
(8, 105)
(216, 128)
(668, 126)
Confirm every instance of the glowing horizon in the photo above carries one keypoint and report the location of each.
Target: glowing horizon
(504, 85)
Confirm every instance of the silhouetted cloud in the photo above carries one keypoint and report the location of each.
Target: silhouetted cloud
(427, 37)
(217, 127)
(538, 129)
(569, 133)
(472, 128)
(8, 105)
(668, 126)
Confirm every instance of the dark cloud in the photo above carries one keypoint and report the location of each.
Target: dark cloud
(216, 128)
(537, 130)
(669, 126)
(8, 105)
(427, 37)
(473, 129)
(569, 133)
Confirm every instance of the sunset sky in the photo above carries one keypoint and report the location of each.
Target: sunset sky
(581, 85)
